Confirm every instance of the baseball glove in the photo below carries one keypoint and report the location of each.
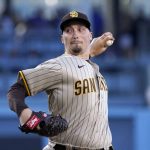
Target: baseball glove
(44, 124)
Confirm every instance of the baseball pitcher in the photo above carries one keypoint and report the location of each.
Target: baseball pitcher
(77, 91)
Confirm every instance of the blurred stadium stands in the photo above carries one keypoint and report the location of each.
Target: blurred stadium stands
(125, 66)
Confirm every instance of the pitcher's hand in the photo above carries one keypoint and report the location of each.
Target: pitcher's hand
(101, 43)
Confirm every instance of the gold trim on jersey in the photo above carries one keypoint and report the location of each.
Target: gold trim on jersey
(25, 82)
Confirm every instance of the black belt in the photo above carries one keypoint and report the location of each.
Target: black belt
(63, 147)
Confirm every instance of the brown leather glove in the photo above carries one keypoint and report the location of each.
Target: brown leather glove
(44, 124)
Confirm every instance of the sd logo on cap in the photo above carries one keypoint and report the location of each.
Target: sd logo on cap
(74, 16)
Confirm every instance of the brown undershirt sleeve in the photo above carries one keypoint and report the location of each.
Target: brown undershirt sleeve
(16, 97)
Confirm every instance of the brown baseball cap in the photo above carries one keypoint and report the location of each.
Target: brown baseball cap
(74, 16)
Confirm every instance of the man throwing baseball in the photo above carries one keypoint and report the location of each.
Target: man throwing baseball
(77, 92)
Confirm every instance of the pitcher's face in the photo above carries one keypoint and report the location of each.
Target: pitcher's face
(76, 39)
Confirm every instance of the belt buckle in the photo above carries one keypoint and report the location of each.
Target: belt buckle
(107, 148)
(68, 147)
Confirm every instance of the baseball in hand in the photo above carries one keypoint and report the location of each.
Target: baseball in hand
(109, 42)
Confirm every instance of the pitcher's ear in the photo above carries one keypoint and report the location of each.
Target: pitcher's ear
(62, 40)
(91, 36)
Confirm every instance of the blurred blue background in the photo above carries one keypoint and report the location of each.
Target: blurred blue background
(29, 35)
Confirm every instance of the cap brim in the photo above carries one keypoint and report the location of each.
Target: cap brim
(72, 20)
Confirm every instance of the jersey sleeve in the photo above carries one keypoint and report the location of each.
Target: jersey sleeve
(44, 77)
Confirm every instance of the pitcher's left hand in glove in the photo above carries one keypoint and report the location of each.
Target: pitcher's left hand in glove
(44, 124)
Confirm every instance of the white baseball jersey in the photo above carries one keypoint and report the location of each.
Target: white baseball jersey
(78, 92)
